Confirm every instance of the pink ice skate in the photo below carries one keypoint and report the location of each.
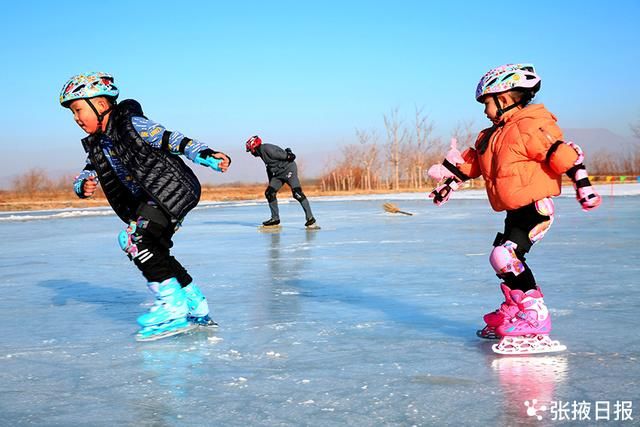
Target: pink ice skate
(528, 331)
(504, 314)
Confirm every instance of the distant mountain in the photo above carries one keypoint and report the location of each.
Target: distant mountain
(599, 140)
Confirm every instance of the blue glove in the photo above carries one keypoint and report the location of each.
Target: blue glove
(205, 158)
(77, 187)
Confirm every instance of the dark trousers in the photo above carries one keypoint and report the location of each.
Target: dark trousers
(276, 183)
(151, 237)
(517, 227)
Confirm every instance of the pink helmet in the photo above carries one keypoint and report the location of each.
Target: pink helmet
(507, 77)
(253, 143)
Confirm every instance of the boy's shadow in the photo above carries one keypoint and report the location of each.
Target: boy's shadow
(124, 305)
(110, 302)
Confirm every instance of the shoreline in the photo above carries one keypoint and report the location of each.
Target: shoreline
(9, 202)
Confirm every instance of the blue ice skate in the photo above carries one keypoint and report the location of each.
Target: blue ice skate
(198, 307)
(168, 316)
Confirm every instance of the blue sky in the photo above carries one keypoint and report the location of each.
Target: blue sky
(305, 74)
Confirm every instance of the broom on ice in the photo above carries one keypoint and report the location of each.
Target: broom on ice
(391, 208)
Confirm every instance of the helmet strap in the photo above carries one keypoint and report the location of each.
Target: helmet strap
(100, 116)
(501, 110)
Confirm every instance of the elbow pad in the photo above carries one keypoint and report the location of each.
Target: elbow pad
(561, 156)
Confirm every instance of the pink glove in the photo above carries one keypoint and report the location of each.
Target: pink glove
(439, 171)
(448, 171)
(441, 193)
(588, 198)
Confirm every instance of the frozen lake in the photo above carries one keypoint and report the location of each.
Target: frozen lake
(370, 321)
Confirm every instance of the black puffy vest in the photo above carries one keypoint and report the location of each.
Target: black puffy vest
(163, 176)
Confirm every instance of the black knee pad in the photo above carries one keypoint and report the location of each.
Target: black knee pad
(298, 194)
(499, 239)
(523, 244)
(270, 194)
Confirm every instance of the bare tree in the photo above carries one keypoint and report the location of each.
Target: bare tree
(602, 162)
(350, 166)
(31, 182)
(369, 154)
(396, 135)
(630, 163)
(463, 133)
(301, 165)
(425, 145)
(635, 128)
(63, 183)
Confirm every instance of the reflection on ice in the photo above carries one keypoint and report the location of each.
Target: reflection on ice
(526, 381)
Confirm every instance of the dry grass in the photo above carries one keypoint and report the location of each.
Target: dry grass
(60, 199)
(55, 197)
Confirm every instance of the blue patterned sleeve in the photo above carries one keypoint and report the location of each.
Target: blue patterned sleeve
(152, 132)
(78, 182)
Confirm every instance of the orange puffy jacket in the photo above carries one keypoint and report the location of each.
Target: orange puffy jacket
(514, 160)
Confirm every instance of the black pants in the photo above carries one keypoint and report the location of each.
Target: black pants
(276, 183)
(150, 245)
(517, 226)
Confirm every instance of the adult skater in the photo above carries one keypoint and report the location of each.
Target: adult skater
(521, 157)
(136, 161)
(281, 169)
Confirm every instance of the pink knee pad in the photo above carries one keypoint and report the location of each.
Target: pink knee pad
(504, 260)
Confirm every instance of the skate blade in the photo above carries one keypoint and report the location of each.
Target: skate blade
(165, 334)
(480, 333)
(270, 228)
(313, 228)
(202, 322)
(527, 345)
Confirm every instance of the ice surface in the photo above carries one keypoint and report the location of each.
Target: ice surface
(370, 321)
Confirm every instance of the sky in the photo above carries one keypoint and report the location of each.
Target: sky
(305, 75)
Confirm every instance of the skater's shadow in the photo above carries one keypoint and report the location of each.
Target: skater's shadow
(401, 312)
(412, 315)
(113, 303)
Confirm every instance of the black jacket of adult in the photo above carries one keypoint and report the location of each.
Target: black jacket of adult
(163, 177)
(275, 159)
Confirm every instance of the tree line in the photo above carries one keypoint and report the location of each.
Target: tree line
(398, 159)
(395, 160)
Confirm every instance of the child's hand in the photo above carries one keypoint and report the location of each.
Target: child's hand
(217, 161)
(89, 186)
(225, 163)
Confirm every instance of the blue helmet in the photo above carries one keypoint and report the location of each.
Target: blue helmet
(88, 85)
